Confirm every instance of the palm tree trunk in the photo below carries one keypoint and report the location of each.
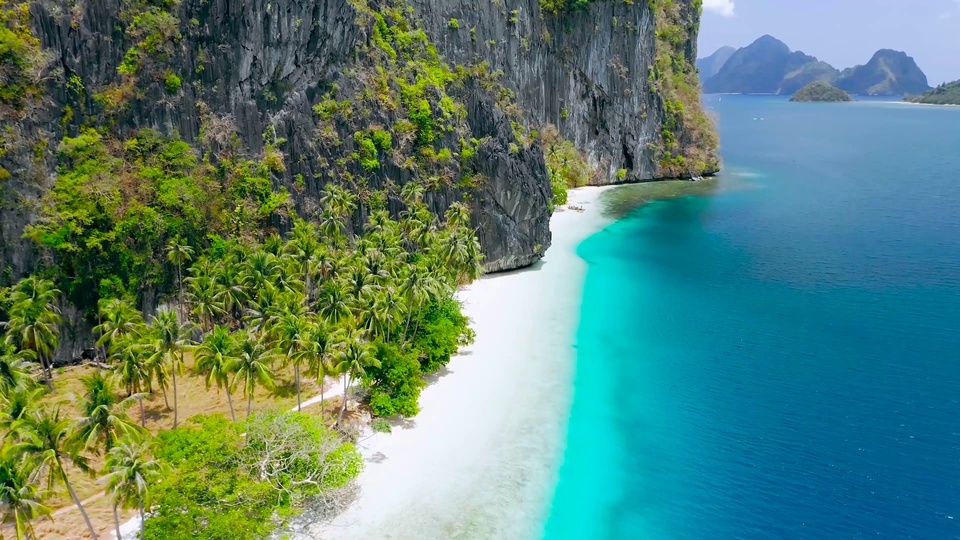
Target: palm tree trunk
(116, 520)
(321, 381)
(296, 375)
(76, 501)
(143, 417)
(166, 402)
(174, 372)
(233, 415)
(249, 403)
(346, 395)
(143, 518)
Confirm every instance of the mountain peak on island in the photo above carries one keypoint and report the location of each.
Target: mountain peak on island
(712, 64)
(888, 73)
(761, 68)
(768, 66)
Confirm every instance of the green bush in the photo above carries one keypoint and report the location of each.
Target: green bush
(172, 83)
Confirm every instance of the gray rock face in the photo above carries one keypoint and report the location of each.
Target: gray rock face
(585, 72)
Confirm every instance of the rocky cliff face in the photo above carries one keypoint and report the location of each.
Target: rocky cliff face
(461, 89)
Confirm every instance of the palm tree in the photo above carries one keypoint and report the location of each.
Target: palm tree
(230, 293)
(47, 442)
(315, 347)
(215, 358)
(172, 339)
(334, 302)
(352, 361)
(288, 332)
(202, 292)
(130, 471)
(132, 369)
(304, 248)
(13, 370)
(118, 319)
(34, 320)
(252, 367)
(103, 418)
(419, 287)
(18, 497)
(15, 407)
(178, 253)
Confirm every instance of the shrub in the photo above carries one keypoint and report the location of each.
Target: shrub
(172, 83)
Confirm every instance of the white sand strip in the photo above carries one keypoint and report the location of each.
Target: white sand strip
(480, 460)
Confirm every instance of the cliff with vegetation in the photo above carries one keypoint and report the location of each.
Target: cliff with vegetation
(945, 94)
(819, 91)
(130, 124)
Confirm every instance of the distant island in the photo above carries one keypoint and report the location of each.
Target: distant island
(945, 94)
(768, 66)
(819, 91)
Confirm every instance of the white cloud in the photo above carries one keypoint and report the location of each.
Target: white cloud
(720, 7)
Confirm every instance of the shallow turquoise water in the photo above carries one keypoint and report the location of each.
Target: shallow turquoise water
(782, 361)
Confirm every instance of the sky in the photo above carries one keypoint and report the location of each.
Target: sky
(843, 33)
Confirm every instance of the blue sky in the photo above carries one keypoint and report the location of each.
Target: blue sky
(843, 32)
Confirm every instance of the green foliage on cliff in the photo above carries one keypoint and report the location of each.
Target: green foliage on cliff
(945, 94)
(565, 164)
(115, 205)
(688, 143)
(21, 58)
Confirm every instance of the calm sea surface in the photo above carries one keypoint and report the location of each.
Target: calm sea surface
(779, 358)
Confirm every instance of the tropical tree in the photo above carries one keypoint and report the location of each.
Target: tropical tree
(304, 249)
(252, 368)
(14, 374)
(230, 293)
(130, 472)
(351, 361)
(132, 368)
(19, 499)
(215, 359)
(15, 407)
(118, 319)
(179, 253)
(419, 287)
(315, 348)
(334, 302)
(47, 443)
(34, 320)
(103, 418)
(202, 293)
(172, 339)
(288, 332)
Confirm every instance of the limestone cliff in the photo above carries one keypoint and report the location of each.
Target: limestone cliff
(371, 94)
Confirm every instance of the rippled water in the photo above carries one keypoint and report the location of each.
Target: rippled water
(781, 361)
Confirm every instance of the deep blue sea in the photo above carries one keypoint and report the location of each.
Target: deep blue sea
(779, 359)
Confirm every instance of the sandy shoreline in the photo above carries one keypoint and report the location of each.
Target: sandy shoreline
(480, 459)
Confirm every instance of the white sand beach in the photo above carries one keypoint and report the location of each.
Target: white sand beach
(480, 459)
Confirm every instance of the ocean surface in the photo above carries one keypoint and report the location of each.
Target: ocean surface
(777, 356)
